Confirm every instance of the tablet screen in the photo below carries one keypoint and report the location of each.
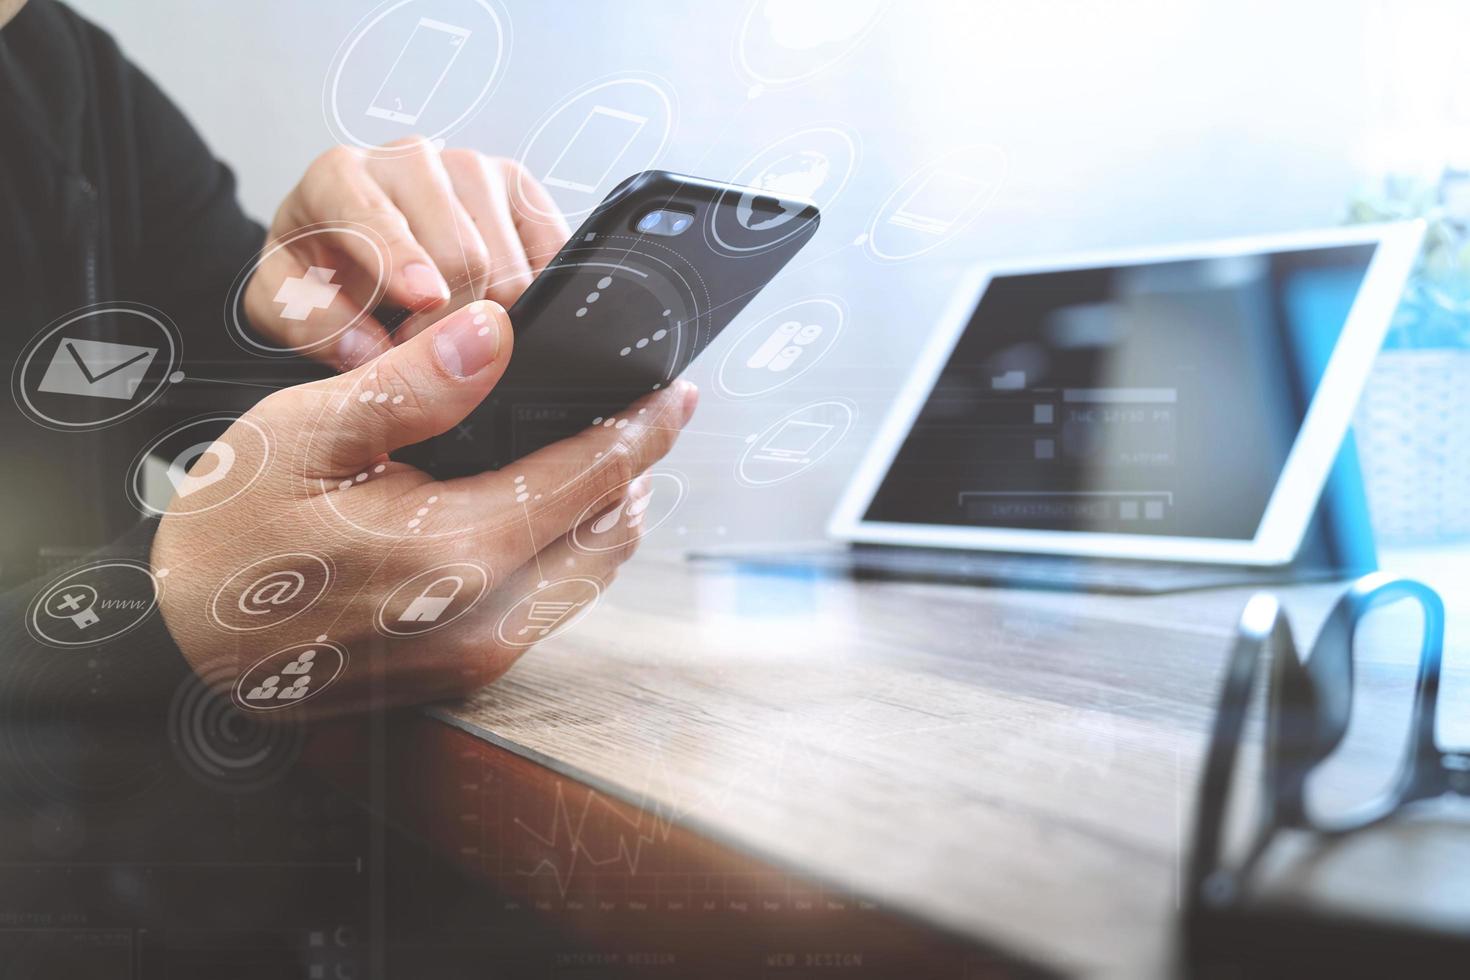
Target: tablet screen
(1159, 398)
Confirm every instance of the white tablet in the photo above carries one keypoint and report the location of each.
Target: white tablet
(1181, 403)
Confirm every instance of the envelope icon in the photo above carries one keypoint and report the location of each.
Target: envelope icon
(96, 367)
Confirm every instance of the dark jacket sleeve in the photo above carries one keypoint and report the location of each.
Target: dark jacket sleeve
(189, 240)
(173, 236)
(83, 720)
(52, 662)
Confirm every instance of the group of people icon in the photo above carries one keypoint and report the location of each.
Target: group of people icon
(270, 688)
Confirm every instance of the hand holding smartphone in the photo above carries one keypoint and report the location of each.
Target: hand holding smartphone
(640, 289)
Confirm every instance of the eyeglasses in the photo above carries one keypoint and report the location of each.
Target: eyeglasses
(1302, 719)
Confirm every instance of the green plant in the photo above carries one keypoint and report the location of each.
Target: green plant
(1435, 311)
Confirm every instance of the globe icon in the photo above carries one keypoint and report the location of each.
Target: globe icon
(796, 175)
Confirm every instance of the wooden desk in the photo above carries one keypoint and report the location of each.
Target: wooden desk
(1014, 767)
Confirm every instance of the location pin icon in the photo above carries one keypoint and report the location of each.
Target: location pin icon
(185, 483)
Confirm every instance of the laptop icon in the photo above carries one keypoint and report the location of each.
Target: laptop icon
(97, 368)
(793, 442)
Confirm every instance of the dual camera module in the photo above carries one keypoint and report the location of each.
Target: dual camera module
(664, 221)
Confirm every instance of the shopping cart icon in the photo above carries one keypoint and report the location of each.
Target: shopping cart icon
(546, 616)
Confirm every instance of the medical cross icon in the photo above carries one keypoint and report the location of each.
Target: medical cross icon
(71, 602)
(300, 295)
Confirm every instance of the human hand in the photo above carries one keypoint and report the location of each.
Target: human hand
(458, 226)
(341, 529)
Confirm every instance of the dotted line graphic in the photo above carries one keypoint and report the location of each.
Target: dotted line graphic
(361, 477)
(594, 296)
(419, 515)
(377, 397)
(613, 422)
(522, 492)
(643, 342)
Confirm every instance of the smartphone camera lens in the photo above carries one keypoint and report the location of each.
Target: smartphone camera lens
(664, 221)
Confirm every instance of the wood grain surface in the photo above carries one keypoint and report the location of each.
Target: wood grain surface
(1013, 766)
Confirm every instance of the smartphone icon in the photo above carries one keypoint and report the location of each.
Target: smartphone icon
(418, 71)
(938, 201)
(594, 149)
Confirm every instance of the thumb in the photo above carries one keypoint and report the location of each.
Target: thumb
(418, 389)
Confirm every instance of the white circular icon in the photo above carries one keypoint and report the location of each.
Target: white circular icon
(786, 41)
(781, 347)
(303, 297)
(220, 745)
(93, 604)
(96, 366)
(415, 67)
(270, 591)
(937, 202)
(167, 474)
(795, 442)
(666, 491)
(596, 137)
(550, 611)
(290, 675)
(432, 599)
(812, 165)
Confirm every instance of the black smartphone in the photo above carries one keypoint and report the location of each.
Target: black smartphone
(659, 268)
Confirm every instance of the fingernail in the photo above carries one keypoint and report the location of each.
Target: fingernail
(468, 341)
(638, 487)
(357, 346)
(424, 281)
(688, 399)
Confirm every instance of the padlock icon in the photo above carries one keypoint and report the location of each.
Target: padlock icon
(430, 604)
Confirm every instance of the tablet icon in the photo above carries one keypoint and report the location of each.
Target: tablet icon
(589, 139)
(418, 71)
(594, 149)
(97, 368)
(936, 202)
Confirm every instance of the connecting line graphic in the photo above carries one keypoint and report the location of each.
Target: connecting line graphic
(362, 588)
(567, 831)
(531, 534)
(238, 384)
(700, 432)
